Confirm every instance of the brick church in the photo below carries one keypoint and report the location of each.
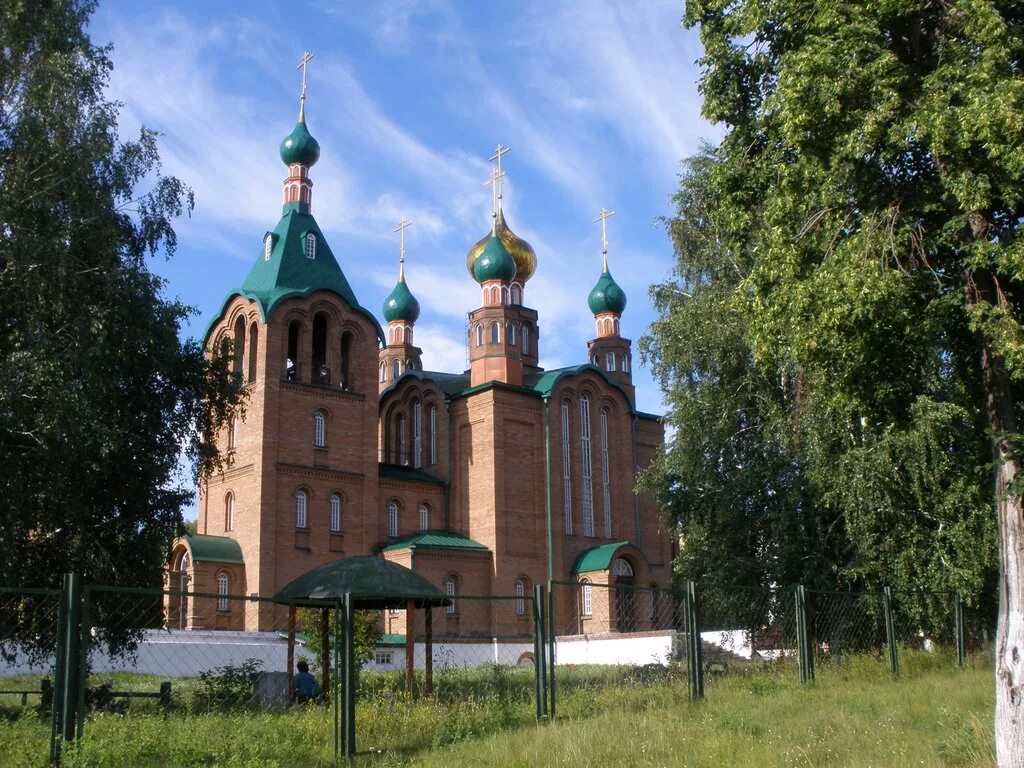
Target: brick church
(486, 481)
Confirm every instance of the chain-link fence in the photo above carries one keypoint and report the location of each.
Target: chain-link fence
(29, 619)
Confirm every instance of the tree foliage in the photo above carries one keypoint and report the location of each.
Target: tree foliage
(99, 397)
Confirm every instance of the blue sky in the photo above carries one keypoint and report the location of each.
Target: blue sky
(597, 100)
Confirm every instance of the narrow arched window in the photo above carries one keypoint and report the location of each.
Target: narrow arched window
(606, 490)
(291, 364)
(238, 363)
(520, 597)
(588, 494)
(424, 511)
(510, 334)
(223, 590)
(383, 371)
(595, 360)
(229, 512)
(433, 435)
(566, 468)
(393, 518)
(310, 246)
(319, 429)
(300, 509)
(587, 596)
(609, 360)
(396, 369)
(451, 589)
(525, 333)
(335, 514)
(321, 373)
(517, 295)
(495, 333)
(625, 363)
(479, 335)
(417, 434)
(345, 372)
(232, 432)
(268, 246)
(403, 450)
(254, 335)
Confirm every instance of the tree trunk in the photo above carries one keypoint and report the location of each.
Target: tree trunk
(999, 407)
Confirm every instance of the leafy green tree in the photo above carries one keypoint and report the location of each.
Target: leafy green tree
(99, 396)
(873, 164)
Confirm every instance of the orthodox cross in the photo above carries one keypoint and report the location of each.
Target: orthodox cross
(501, 150)
(402, 226)
(494, 181)
(603, 217)
(303, 63)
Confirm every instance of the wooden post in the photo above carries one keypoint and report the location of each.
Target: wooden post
(165, 694)
(291, 647)
(410, 644)
(428, 660)
(325, 650)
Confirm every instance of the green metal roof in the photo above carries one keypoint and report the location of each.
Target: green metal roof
(373, 581)
(449, 383)
(597, 558)
(394, 472)
(401, 304)
(398, 640)
(288, 273)
(437, 540)
(214, 549)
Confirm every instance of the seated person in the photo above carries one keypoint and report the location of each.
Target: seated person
(304, 686)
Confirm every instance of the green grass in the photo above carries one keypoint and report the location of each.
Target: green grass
(855, 715)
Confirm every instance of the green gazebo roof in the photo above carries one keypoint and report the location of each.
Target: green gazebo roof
(373, 582)
(214, 549)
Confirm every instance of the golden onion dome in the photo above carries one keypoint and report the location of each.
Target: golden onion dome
(522, 252)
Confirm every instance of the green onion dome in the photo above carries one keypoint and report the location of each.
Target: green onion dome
(300, 147)
(401, 304)
(607, 296)
(494, 263)
(522, 252)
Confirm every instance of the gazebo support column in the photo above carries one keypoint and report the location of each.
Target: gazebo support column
(325, 649)
(291, 647)
(428, 660)
(410, 644)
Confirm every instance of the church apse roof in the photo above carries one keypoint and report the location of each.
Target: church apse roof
(214, 549)
(437, 540)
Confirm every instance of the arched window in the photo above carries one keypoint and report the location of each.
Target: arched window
(495, 333)
(517, 295)
(268, 246)
(223, 590)
(383, 371)
(345, 374)
(392, 518)
(238, 362)
(621, 568)
(525, 333)
(433, 435)
(595, 360)
(625, 363)
(566, 468)
(424, 510)
(300, 509)
(451, 588)
(291, 365)
(229, 512)
(479, 335)
(321, 373)
(396, 369)
(335, 515)
(588, 491)
(319, 429)
(310, 245)
(403, 450)
(609, 360)
(510, 334)
(417, 434)
(606, 490)
(587, 597)
(520, 597)
(232, 432)
(254, 335)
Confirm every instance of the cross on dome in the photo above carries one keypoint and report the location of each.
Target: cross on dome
(303, 63)
(403, 225)
(496, 176)
(603, 217)
(501, 150)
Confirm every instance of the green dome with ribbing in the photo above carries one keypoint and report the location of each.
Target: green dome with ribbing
(401, 304)
(300, 147)
(494, 263)
(607, 296)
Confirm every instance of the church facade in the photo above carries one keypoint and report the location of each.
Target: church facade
(486, 481)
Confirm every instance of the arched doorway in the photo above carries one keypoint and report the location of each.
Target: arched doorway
(625, 595)
(178, 613)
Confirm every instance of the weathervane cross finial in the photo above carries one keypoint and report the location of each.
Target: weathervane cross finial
(495, 181)
(501, 150)
(603, 217)
(303, 64)
(402, 226)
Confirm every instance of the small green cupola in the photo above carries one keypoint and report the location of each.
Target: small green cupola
(494, 263)
(607, 297)
(299, 147)
(401, 306)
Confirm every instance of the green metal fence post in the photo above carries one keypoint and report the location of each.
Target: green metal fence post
(539, 667)
(350, 676)
(71, 596)
(59, 691)
(694, 649)
(890, 631)
(805, 647)
(961, 645)
(551, 650)
(83, 662)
